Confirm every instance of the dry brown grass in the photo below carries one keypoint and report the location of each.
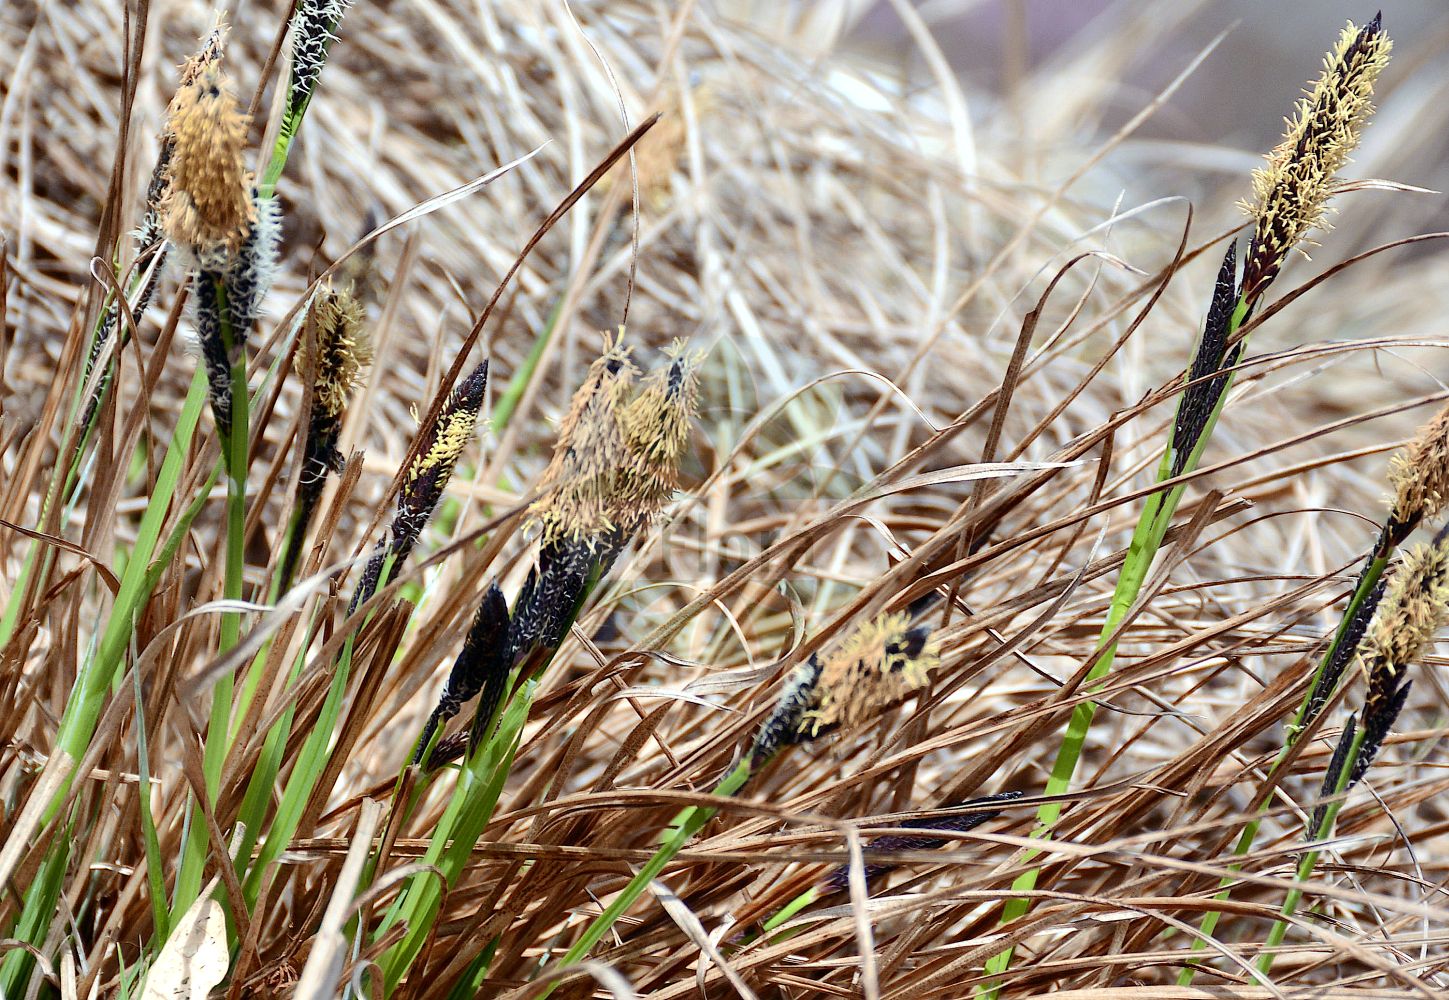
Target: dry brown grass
(891, 297)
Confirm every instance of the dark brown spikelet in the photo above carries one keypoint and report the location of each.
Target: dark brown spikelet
(839, 880)
(1414, 608)
(426, 479)
(1205, 384)
(1291, 191)
(1329, 788)
(555, 588)
(333, 356)
(313, 24)
(785, 725)
(1343, 655)
(480, 667)
(880, 663)
(217, 353)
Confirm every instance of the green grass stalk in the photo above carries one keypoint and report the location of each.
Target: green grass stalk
(1309, 861)
(685, 825)
(235, 462)
(1368, 580)
(1147, 537)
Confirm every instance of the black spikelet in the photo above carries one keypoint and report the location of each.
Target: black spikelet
(839, 880)
(1200, 399)
(1329, 788)
(1378, 720)
(425, 481)
(480, 667)
(1343, 655)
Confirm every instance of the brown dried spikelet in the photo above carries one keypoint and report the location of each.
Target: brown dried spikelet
(342, 349)
(656, 431)
(1414, 608)
(579, 491)
(657, 155)
(1291, 190)
(880, 663)
(207, 208)
(1419, 475)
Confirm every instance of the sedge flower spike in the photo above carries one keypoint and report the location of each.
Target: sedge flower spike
(207, 209)
(426, 479)
(333, 356)
(581, 487)
(341, 353)
(880, 663)
(1413, 609)
(313, 25)
(1419, 476)
(1292, 189)
(614, 467)
(656, 432)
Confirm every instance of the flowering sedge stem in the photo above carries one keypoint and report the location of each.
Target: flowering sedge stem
(1368, 580)
(1309, 861)
(1147, 537)
(234, 461)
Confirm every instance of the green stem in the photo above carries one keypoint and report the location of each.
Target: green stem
(235, 461)
(1309, 861)
(806, 898)
(65, 480)
(469, 810)
(83, 709)
(1147, 537)
(688, 823)
(1368, 580)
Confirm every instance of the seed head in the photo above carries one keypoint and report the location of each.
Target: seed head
(580, 490)
(429, 473)
(478, 668)
(1203, 391)
(1420, 477)
(1414, 608)
(426, 478)
(656, 432)
(342, 349)
(880, 663)
(1292, 189)
(313, 25)
(784, 727)
(839, 880)
(207, 208)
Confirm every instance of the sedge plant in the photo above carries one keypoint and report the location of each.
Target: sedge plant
(1290, 200)
(1419, 477)
(206, 209)
(1415, 607)
(614, 467)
